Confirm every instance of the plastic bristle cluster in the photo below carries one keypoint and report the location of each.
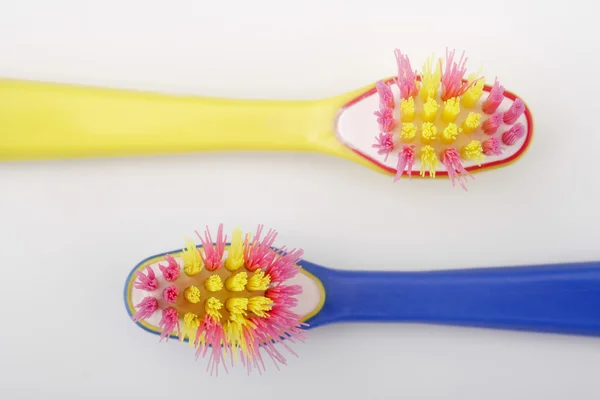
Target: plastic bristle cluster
(228, 303)
(443, 118)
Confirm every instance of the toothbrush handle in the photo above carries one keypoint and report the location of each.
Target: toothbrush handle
(47, 120)
(560, 298)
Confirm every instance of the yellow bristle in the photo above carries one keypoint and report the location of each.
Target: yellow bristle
(430, 109)
(212, 307)
(408, 132)
(258, 281)
(471, 123)
(259, 305)
(192, 294)
(429, 160)
(192, 262)
(428, 132)
(473, 151)
(237, 282)
(451, 109)
(449, 134)
(234, 334)
(213, 283)
(407, 109)
(430, 79)
(191, 322)
(237, 305)
(473, 94)
(235, 254)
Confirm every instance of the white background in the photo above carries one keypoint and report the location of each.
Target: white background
(71, 230)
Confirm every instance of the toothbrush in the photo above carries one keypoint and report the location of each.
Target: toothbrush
(440, 122)
(241, 300)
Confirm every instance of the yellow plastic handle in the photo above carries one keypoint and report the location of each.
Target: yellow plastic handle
(48, 120)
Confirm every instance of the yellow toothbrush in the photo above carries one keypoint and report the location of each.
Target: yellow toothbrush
(42, 120)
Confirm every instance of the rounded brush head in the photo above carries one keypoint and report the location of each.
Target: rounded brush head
(235, 300)
(439, 122)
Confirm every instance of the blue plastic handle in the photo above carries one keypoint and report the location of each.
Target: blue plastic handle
(559, 298)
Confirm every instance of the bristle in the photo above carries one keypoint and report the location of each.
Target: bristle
(169, 322)
(212, 306)
(384, 144)
(258, 281)
(408, 132)
(452, 77)
(407, 109)
(430, 79)
(170, 294)
(386, 97)
(429, 160)
(147, 282)
(170, 271)
(212, 255)
(258, 253)
(428, 132)
(429, 112)
(237, 282)
(471, 123)
(259, 305)
(451, 109)
(491, 125)
(491, 147)
(515, 133)
(213, 283)
(454, 165)
(473, 94)
(192, 294)
(449, 133)
(491, 104)
(473, 152)
(385, 119)
(192, 262)
(407, 79)
(241, 323)
(145, 309)
(235, 254)
(516, 109)
(406, 159)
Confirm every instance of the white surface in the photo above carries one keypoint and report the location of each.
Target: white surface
(70, 231)
(356, 121)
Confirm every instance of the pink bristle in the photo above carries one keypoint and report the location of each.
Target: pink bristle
(453, 163)
(386, 97)
(285, 266)
(171, 271)
(145, 308)
(491, 125)
(146, 281)
(406, 159)
(406, 76)
(214, 338)
(168, 322)
(516, 109)
(212, 256)
(491, 147)
(452, 77)
(170, 294)
(258, 253)
(386, 119)
(494, 99)
(384, 144)
(511, 136)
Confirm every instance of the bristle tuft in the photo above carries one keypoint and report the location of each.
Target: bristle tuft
(237, 282)
(494, 99)
(235, 254)
(145, 309)
(407, 79)
(407, 109)
(449, 133)
(386, 97)
(169, 322)
(473, 151)
(430, 109)
(408, 132)
(192, 294)
(491, 147)
(491, 125)
(515, 133)
(471, 123)
(430, 79)
(147, 282)
(258, 253)
(516, 109)
(385, 119)
(454, 165)
(384, 144)
(429, 161)
(406, 160)
(213, 283)
(260, 305)
(452, 77)
(428, 132)
(192, 262)
(170, 294)
(170, 271)
(473, 94)
(258, 281)
(212, 306)
(451, 109)
(212, 255)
